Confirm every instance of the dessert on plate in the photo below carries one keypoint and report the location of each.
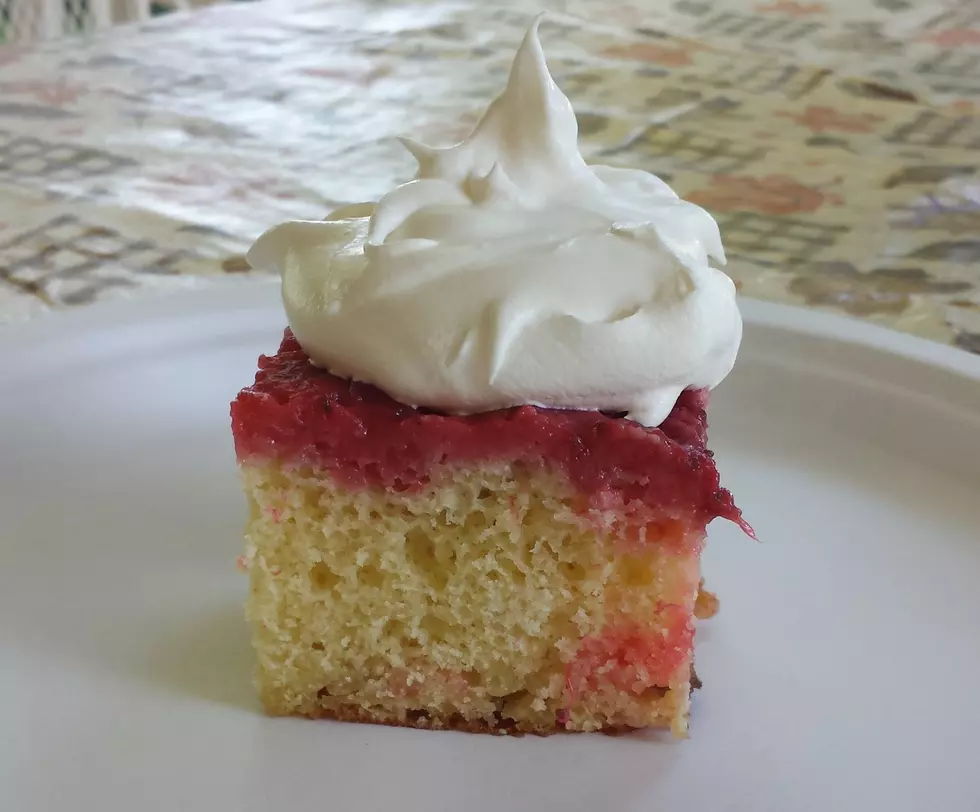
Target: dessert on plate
(477, 467)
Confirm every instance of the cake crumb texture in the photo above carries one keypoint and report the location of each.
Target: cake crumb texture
(491, 600)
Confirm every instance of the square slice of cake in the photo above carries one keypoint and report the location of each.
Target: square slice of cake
(519, 570)
(477, 469)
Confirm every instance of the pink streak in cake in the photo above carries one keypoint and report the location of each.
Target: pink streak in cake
(302, 415)
(631, 658)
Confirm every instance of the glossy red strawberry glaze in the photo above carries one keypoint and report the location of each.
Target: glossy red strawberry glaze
(633, 658)
(303, 415)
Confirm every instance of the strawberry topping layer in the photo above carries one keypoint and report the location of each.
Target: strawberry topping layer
(299, 414)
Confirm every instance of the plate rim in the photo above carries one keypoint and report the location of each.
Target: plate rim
(225, 296)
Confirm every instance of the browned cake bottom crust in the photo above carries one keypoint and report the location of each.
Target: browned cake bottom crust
(455, 722)
(506, 727)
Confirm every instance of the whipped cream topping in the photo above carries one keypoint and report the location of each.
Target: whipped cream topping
(510, 272)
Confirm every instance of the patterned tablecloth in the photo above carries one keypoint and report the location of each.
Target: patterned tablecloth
(836, 141)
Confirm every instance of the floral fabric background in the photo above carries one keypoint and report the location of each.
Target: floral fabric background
(837, 142)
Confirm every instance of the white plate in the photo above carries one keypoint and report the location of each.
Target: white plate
(842, 673)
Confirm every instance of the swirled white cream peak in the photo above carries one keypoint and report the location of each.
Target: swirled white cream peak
(510, 272)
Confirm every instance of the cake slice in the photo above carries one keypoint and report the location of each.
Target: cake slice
(477, 469)
(520, 570)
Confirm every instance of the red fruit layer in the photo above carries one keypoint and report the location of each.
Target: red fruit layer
(303, 415)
